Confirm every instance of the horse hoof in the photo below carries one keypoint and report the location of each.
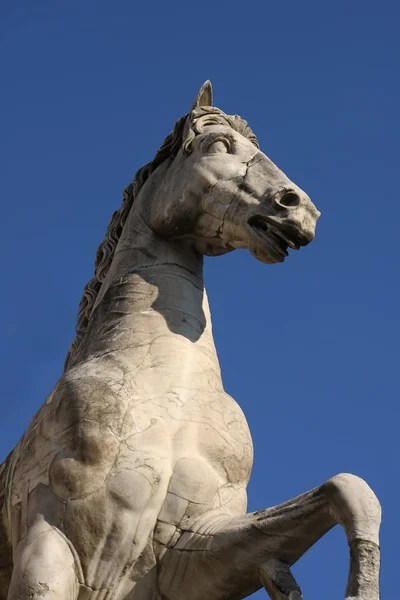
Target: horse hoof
(363, 583)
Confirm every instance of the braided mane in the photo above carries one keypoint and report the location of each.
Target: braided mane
(191, 124)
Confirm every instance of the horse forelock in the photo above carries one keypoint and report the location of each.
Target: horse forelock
(184, 132)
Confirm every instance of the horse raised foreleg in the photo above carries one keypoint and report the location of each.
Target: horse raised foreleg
(229, 558)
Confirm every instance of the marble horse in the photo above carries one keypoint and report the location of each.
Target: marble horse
(130, 481)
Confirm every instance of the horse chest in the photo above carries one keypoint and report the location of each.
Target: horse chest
(213, 454)
(217, 428)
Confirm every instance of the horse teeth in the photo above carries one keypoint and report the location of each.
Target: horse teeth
(291, 244)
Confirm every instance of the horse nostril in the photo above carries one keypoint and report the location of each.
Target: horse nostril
(289, 199)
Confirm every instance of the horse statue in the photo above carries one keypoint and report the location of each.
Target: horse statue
(130, 481)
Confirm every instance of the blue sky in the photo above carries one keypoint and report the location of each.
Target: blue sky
(308, 348)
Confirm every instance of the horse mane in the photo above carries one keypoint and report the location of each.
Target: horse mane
(189, 126)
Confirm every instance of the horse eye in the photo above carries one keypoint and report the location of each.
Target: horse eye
(219, 146)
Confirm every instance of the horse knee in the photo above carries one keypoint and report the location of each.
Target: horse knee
(355, 506)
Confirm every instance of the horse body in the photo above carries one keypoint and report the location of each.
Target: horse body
(140, 423)
(130, 482)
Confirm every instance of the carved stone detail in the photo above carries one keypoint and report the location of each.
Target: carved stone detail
(130, 481)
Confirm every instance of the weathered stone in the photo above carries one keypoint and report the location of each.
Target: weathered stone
(130, 481)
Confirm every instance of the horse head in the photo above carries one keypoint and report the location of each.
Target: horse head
(220, 192)
(208, 191)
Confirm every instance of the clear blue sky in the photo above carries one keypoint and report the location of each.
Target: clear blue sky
(309, 348)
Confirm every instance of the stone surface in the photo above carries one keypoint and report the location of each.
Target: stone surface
(130, 481)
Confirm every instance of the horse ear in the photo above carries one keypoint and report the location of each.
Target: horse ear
(204, 97)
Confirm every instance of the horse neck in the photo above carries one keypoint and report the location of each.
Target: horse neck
(152, 311)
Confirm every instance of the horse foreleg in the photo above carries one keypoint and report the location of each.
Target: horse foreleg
(44, 567)
(346, 500)
(229, 558)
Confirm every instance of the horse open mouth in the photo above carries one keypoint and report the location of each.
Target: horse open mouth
(274, 238)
